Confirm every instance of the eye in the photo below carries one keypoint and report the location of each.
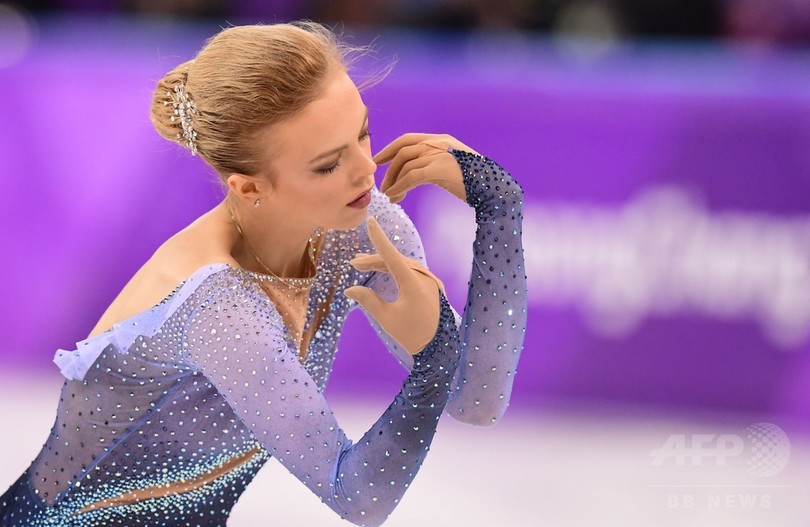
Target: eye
(329, 169)
(365, 135)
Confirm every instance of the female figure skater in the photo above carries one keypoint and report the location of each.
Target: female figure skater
(214, 357)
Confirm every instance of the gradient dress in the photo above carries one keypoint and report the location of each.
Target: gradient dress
(164, 419)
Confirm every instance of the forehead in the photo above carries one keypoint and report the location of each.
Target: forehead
(325, 123)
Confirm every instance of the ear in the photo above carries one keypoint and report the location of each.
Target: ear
(248, 188)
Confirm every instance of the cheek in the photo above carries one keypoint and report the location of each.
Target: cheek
(314, 195)
(326, 192)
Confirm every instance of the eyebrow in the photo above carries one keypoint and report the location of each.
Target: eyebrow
(338, 149)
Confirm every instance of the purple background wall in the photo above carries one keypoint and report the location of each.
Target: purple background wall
(668, 203)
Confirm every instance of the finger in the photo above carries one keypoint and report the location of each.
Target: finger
(393, 258)
(369, 262)
(374, 262)
(395, 198)
(370, 301)
(390, 150)
(408, 176)
(363, 256)
(398, 192)
(406, 154)
(414, 156)
(444, 173)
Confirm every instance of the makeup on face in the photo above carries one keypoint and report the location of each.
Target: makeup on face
(362, 201)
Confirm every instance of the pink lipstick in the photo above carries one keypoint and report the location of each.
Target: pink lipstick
(362, 201)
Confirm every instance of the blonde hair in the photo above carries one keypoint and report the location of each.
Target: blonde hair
(244, 79)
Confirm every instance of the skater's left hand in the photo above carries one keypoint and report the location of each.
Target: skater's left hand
(417, 159)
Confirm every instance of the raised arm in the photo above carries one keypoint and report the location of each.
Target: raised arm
(494, 318)
(234, 340)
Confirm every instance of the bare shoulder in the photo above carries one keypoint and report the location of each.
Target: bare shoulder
(206, 241)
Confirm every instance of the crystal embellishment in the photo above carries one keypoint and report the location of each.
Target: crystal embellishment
(184, 110)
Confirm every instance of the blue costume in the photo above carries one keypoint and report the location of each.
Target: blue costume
(166, 418)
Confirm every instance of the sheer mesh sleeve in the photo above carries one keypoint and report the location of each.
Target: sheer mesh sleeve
(232, 338)
(494, 320)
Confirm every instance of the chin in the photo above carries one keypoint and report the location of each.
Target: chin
(349, 224)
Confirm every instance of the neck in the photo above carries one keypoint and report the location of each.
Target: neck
(278, 243)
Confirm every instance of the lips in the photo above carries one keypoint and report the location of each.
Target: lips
(362, 200)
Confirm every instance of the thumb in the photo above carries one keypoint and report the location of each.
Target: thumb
(370, 301)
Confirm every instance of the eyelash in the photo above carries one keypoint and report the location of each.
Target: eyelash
(328, 170)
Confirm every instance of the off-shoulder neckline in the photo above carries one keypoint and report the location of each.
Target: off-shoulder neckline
(200, 274)
(204, 271)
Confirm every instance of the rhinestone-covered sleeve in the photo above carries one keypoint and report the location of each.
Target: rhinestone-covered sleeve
(233, 339)
(494, 319)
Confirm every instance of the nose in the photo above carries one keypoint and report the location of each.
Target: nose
(365, 165)
(370, 165)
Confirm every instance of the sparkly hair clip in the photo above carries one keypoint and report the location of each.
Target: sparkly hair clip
(184, 109)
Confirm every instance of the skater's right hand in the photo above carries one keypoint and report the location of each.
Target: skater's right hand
(411, 320)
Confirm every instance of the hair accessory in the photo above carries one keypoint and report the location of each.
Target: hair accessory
(184, 109)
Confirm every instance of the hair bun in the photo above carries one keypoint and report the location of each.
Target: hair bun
(245, 79)
(164, 103)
